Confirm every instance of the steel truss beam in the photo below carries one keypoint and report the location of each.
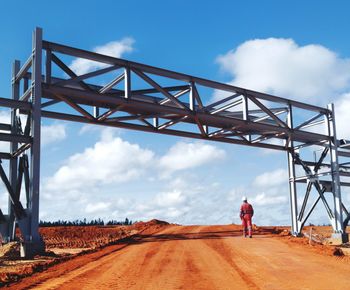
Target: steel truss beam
(150, 99)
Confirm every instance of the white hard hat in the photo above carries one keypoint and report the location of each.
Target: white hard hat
(244, 198)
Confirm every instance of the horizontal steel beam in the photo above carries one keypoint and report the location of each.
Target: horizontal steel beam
(74, 118)
(344, 153)
(7, 137)
(4, 155)
(312, 163)
(117, 92)
(80, 53)
(9, 103)
(5, 127)
(146, 106)
(342, 183)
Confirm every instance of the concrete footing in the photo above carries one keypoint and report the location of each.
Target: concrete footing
(29, 249)
(338, 238)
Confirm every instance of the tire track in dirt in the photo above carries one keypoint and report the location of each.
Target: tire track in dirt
(272, 264)
(200, 257)
(217, 271)
(219, 246)
(91, 275)
(223, 253)
(47, 275)
(146, 261)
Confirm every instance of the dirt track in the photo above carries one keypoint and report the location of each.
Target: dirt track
(197, 257)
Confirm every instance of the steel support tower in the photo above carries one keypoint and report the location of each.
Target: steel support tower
(125, 94)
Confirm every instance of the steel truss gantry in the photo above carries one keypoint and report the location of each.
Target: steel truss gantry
(125, 94)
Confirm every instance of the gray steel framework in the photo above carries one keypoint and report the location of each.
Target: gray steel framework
(151, 99)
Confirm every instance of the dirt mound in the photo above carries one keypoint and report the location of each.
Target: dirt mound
(156, 222)
(83, 237)
(150, 226)
(285, 233)
(316, 247)
(151, 223)
(10, 251)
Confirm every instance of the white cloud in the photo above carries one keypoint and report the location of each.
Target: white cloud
(52, 133)
(5, 116)
(97, 207)
(268, 193)
(94, 183)
(114, 48)
(89, 128)
(270, 179)
(111, 160)
(262, 199)
(282, 67)
(311, 73)
(342, 116)
(189, 155)
(173, 198)
(98, 129)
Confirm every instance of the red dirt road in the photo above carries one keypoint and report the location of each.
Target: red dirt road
(197, 257)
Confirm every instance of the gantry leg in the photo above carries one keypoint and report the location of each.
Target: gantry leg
(338, 226)
(295, 229)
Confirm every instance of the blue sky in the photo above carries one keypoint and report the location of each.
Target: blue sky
(228, 41)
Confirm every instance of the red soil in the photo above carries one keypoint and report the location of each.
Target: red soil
(162, 256)
(65, 243)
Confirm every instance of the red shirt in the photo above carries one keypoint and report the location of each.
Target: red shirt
(246, 208)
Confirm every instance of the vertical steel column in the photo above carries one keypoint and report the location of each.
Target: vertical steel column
(127, 84)
(13, 164)
(245, 110)
(96, 112)
(48, 67)
(192, 99)
(34, 237)
(336, 190)
(292, 185)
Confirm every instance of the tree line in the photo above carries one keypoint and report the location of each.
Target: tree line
(85, 222)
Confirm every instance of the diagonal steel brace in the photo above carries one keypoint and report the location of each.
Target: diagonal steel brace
(16, 204)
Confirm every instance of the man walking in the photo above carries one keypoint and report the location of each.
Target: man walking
(246, 214)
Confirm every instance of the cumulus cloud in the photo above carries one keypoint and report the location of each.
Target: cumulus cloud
(270, 179)
(187, 200)
(189, 155)
(95, 183)
(282, 67)
(111, 160)
(52, 133)
(269, 195)
(5, 116)
(114, 48)
(173, 198)
(310, 73)
(96, 207)
(262, 199)
(342, 116)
